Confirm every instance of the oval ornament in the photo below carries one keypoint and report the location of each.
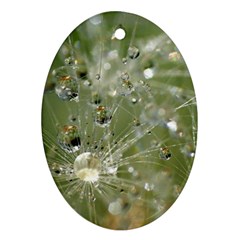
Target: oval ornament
(119, 121)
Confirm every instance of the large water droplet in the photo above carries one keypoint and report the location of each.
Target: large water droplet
(86, 167)
(68, 138)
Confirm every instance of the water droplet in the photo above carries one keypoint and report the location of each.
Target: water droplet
(102, 116)
(67, 88)
(87, 83)
(188, 150)
(70, 61)
(172, 126)
(86, 167)
(180, 134)
(136, 122)
(124, 60)
(126, 88)
(56, 169)
(115, 208)
(112, 170)
(148, 73)
(165, 153)
(119, 33)
(148, 187)
(124, 76)
(98, 76)
(81, 72)
(93, 198)
(134, 100)
(68, 138)
(133, 52)
(72, 118)
(130, 169)
(96, 99)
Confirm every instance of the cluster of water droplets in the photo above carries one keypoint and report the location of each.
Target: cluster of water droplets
(116, 119)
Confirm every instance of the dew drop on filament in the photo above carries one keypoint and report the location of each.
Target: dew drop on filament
(66, 88)
(133, 52)
(102, 116)
(165, 153)
(124, 76)
(124, 60)
(86, 167)
(98, 76)
(68, 138)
